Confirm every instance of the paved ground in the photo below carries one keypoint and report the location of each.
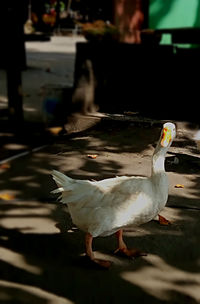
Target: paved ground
(42, 253)
(49, 63)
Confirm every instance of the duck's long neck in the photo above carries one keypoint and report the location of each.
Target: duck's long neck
(158, 160)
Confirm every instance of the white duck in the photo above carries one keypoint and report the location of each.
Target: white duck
(101, 208)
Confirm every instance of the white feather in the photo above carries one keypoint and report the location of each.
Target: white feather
(103, 207)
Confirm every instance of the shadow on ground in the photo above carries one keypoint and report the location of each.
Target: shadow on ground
(54, 263)
(41, 253)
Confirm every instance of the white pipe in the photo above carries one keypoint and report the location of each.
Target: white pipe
(9, 159)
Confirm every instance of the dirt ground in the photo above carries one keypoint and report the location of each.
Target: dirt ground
(42, 253)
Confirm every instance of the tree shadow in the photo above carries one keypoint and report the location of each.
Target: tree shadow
(53, 261)
(187, 164)
(16, 294)
(62, 272)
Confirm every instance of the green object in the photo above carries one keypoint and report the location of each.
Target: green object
(166, 14)
(174, 13)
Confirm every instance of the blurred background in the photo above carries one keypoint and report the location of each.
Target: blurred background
(116, 56)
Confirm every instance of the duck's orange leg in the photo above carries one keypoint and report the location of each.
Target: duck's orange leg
(90, 253)
(123, 250)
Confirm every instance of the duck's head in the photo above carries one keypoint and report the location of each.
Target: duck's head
(168, 134)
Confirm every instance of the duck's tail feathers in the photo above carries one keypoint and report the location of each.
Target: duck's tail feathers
(63, 182)
(60, 178)
(70, 190)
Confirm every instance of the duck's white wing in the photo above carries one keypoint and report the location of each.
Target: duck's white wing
(98, 193)
(103, 206)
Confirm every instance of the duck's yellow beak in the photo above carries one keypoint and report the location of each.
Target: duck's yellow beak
(166, 137)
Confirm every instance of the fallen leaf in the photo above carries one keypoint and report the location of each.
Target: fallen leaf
(179, 186)
(55, 130)
(92, 156)
(6, 196)
(5, 166)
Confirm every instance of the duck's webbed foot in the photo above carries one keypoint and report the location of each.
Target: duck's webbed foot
(124, 251)
(130, 253)
(163, 221)
(103, 264)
